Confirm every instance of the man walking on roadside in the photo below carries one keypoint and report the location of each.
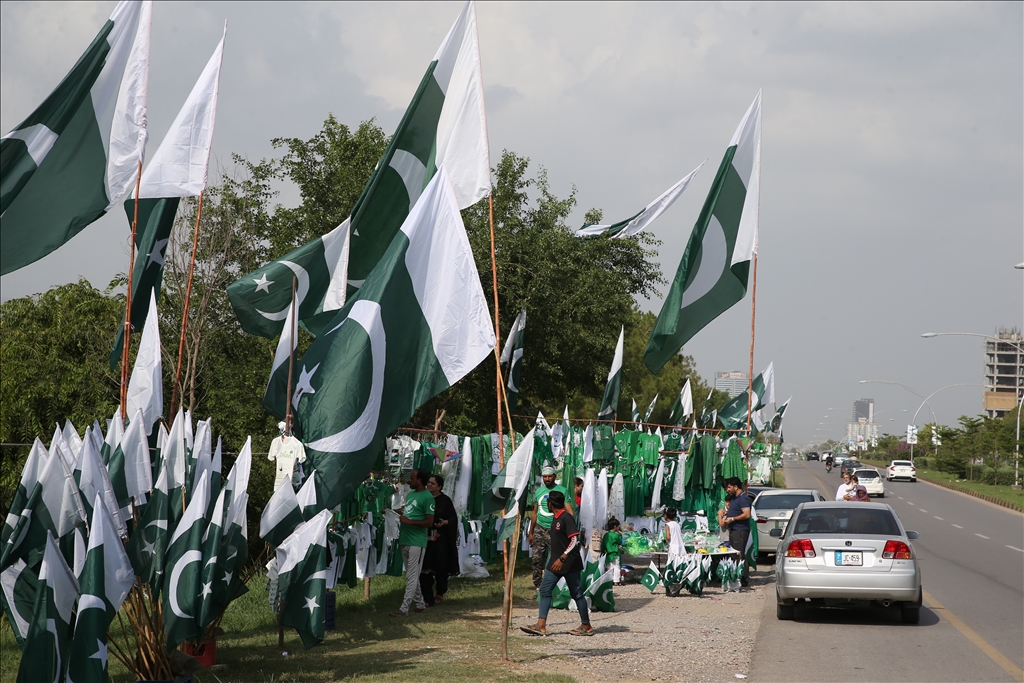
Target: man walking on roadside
(540, 522)
(415, 517)
(737, 521)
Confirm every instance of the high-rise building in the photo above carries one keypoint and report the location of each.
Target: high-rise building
(734, 383)
(864, 408)
(862, 428)
(1004, 372)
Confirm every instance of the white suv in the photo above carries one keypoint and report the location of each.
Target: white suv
(901, 469)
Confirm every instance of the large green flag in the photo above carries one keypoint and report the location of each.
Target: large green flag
(49, 629)
(712, 275)
(182, 595)
(78, 153)
(682, 406)
(105, 581)
(302, 579)
(418, 325)
(734, 413)
(610, 400)
(512, 355)
(445, 126)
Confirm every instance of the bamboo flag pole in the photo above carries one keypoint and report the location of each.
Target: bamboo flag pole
(753, 310)
(184, 314)
(128, 302)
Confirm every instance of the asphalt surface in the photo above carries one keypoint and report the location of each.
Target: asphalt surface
(972, 621)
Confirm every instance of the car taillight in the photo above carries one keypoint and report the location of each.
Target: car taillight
(913, 469)
(761, 520)
(896, 550)
(800, 547)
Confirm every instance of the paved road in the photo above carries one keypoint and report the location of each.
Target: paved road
(972, 623)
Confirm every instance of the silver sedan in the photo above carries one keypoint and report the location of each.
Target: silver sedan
(847, 553)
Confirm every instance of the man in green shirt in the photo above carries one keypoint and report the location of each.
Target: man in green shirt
(415, 517)
(540, 523)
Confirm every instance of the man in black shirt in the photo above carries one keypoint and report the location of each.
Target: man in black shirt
(737, 521)
(563, 562)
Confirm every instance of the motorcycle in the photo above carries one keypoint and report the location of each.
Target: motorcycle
(828, 466)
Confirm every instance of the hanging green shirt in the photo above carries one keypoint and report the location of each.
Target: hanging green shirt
(418, 505)
(650, 445)
(604, 443)
(544, 514)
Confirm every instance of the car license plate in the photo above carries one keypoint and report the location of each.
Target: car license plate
(844, 559)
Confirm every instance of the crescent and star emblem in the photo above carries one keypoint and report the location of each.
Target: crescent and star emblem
(179, 566)
(300, 292)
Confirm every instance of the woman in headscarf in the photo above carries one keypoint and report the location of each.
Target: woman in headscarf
(442, 558)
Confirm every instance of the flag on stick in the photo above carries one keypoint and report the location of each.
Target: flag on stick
(651, 578)
(610, 400)
(512, 355)
(302, 579)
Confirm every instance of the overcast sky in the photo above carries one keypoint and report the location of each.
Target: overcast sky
(891, 191)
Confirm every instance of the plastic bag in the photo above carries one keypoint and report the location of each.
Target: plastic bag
(473, 567)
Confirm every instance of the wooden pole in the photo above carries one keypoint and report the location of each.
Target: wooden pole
(184, 314)
(291, 363)
(128, 302)
(750, 376)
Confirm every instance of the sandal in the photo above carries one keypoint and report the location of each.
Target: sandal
(398, 613)
(581, 632)
(533, 630)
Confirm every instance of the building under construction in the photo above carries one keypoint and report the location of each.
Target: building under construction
(1004, 372)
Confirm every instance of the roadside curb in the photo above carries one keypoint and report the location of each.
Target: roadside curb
(960, 489)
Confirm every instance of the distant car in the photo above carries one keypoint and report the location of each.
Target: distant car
(813, 456)
(901, 469)
(772, 510)
(871, 480)
(848, 466)
(755, 491)
(846, 553)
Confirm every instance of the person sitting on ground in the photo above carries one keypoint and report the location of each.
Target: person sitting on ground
(611, 546)
(565, 562)
(442, 556)
(416, 516)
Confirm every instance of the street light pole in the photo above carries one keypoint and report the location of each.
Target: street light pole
(914, 419)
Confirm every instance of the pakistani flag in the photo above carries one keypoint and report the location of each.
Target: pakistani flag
(278, 383)
(651, 578)
(602, 593)
(147, 546)
(146, 385)
(712, 274)
(511, 482)
(560, 596)
(512, 355)
(213, 544)
(281, 515)
(18, 586)
(750, 551)
(734, 413)
(307, 498)
(130, 467)
(683, 405)
(639, 222)
(650, 408)
(610, 401)
(592, 572)
(182, 596)
(49, 629)
(445, 125)
(302, 579)
(78, 154)
(418, 325)
(94, 482)
(115, 431)
(635, 413)
(37, 456)
(777, 420)
(105, 581)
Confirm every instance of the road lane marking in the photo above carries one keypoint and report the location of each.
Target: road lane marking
(995, 655)
(909, 503)
(922, 509)
(1019, 550)
(958, 526)
(900, 497)
(938, 518)
(983, 536)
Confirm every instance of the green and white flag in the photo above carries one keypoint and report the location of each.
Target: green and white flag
(651, 578)
(418, 325)
(511, 483)
(592, 572)
(682, 406)
(182, 596)
(734, 413)
(213, 546)
(560, 596)
(178, 169)
(610, 400)
(49, 630)
(278, 382)
(147, 545)
(77, 155)
(281, 515)
(512, 355)
(635, 412)
(639, 222)
(93, 481)
(445, 125)
(602, 593)
(307, 498)
(146, 385)
(302, 579)
(777, 420)
(130, 467)
(18, 585)
(105, 581)
(30, 473)
(650, 408)
(712, 275)
(750, 551)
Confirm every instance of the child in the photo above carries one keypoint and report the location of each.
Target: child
(673, 536)
(611, 546)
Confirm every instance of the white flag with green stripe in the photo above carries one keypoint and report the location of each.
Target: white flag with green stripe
(734, 413)
(182, 597)
(78, 153)
(418, 325)
(302, 579)
(712, 275)
(639, 222)
(511, 482)
(777, 420)
(45, 655)
(610, 400)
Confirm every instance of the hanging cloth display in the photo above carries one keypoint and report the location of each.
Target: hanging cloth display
(659, 479)
(617, 498)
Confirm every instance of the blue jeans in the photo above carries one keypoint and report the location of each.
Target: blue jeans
(572, 580)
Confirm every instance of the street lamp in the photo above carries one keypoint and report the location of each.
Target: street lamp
(914, 420)
(899, 384)
(1019, 395)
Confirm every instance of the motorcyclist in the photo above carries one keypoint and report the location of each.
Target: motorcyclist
(828, 462)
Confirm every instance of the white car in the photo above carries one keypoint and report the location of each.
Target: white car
(871, 480)
(772, 509)
(901, 469)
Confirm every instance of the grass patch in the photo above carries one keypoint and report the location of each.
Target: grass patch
(459, 640)
(1004, 493)
(778, 478)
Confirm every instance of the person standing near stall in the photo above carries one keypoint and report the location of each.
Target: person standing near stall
(442, 556)
(737, 521)
(540, 522)
(416, 516)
